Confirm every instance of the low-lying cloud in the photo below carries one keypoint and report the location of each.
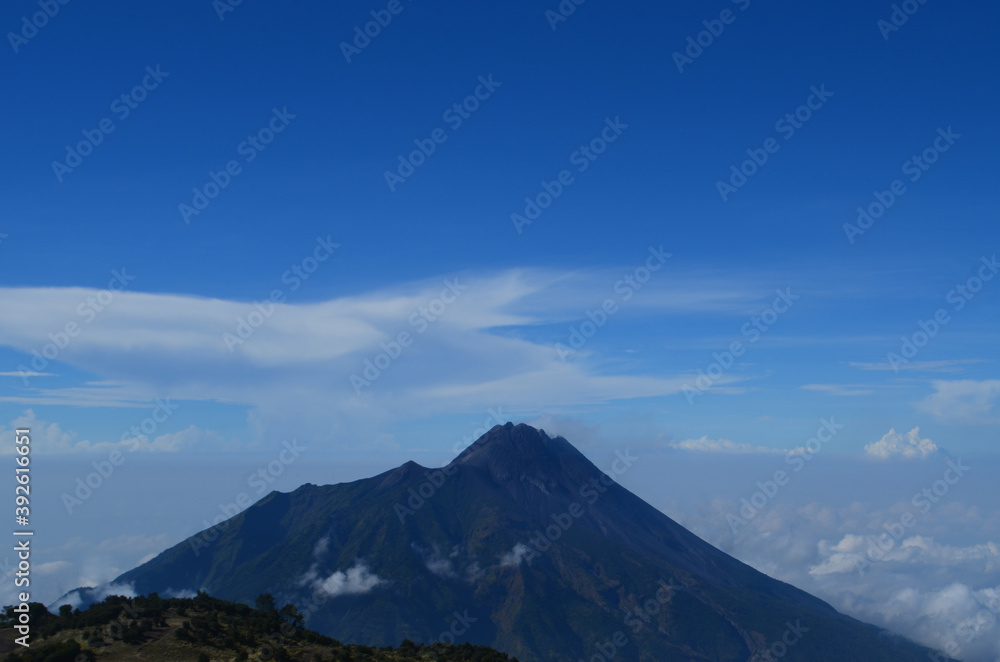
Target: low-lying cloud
(895, 444)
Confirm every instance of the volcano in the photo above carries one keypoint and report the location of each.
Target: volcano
(521, 544)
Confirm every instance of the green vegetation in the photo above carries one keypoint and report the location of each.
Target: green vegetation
(205, 629)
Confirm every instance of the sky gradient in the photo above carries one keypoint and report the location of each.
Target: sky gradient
(701, 230)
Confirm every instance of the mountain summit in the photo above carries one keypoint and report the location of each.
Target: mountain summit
(522, 544)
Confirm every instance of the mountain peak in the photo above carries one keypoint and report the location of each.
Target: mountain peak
(513, 444)
(527, 462)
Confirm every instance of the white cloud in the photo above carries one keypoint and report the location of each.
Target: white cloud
(98, 594)
(853, 551)
(896, 444)
(436, 561)
(842, 390)
(963, 400)
(706, 445)
(939, 591)
(956, 365)
(294, 370)
(514, 557)
(45, 437)
(50, 438)
(355, 580)
(27, 373)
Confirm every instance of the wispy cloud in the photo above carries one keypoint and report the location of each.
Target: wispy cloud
(296, 366)
(50, 438)
(27, 373)
(956, 365)
(843, 390)
(706, 445)
(963, 401)
(514, 557)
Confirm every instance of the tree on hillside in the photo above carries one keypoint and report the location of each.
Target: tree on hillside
(290, 613)
(265, 603)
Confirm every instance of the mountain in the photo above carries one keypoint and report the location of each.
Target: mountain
(521, 544)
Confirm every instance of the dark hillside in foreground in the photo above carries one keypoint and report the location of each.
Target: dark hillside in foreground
(200, 629)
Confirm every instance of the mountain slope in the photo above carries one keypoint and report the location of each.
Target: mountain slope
(521, 544)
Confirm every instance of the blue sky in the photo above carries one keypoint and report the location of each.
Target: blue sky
(490, 304)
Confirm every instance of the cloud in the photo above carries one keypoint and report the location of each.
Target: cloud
(50, 438)
(956, 365)
(96, 594)
(495, 344)
(843, 390)
(53, 567)
(963, 401)
(186, 439)
(938, 584)
(895, 444)
(45, 437)
(436, 562)
(706, 445)
(125, 590)
(852, 553)
(321, 548)
(355, 580)
(936, 593)
(514, 557)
